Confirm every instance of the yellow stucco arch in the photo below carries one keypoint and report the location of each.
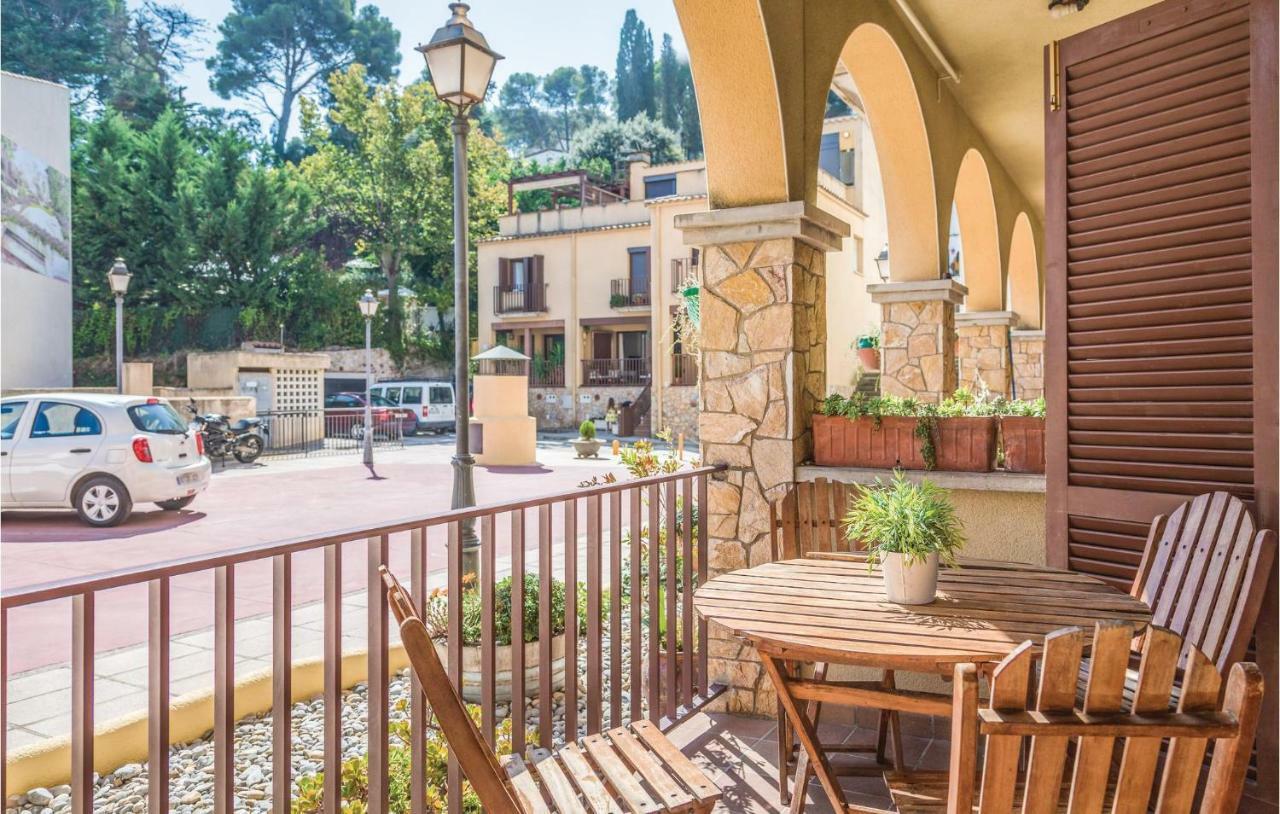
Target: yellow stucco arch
(894, 115)
(1025, 297)
(979, 234)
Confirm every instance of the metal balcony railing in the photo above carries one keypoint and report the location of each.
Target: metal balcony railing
(546, 374)
(623, 295)
(615, 371)
(519, 299)
(683, 271)
(684, 369)
(619, 632)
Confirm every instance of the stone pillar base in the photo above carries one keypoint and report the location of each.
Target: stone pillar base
(763, 373)
(917, 337)
(1028, 363)
(982, 350)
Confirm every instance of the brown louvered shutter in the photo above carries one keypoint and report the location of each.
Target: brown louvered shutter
(1161, 271)
(537, 291)
(504, 274)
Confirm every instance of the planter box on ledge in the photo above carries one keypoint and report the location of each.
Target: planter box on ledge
(840, 441)
(966, 444)
(1023, 443)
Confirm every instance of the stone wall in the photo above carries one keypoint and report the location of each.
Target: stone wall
(1028, 363)
(982, 351)
(351, 360)
(918, 337)
(557, 415)
(680, 411)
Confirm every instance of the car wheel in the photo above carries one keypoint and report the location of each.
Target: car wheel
(103, 501)
(175, 504)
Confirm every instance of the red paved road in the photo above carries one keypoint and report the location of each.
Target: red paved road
(239, 508)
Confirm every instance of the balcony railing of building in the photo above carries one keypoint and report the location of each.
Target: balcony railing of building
(684, 271)
(611, 524)
(622, 294)
(519, 299)
(545, 373)
(684, 369)
(615, 371)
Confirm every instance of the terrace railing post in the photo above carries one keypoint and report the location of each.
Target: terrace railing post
(379, 700)
(158, 695)
(224, 689)
(333, 678)
(282, 682)
(82, 645)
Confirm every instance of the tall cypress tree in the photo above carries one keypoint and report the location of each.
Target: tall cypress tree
(670, 99)
(690, 121)
(635, 93)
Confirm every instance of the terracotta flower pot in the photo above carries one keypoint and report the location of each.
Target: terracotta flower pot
(869, 358)
(840, 441)
(966, 444)
(1023, 443)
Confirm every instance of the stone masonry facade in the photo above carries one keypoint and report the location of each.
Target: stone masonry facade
(763, 335)
(1028, 363)
(918, 337)
(680, 411)
(982, 352)
(553, 407)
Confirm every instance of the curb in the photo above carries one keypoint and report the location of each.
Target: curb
(123, 740)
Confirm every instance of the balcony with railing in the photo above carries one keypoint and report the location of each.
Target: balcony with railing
(626, 293)
(546, 373)
(615, 371)
(684, 369)
(684, 271)
(521, 299)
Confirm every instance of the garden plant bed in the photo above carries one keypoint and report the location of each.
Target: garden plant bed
(1023, 440)
(885, 443)
(965, 444)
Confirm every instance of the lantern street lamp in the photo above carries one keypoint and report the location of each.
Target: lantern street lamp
(118, 277)
(882, 264)
(461, 64)
(368, 307)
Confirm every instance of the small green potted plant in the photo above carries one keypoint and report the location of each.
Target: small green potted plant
(586, 444)
(909, 529)
(868, 347)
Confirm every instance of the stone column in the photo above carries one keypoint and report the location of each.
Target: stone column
(982, 350)
(918, 337)
(763, 346)
(1028, 363)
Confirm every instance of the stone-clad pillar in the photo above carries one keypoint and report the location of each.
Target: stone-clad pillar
(918, 337)
(982, 350)
(763, 345)
(1028, 363)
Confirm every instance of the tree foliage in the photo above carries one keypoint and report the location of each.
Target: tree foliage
(635, 94)
(618, 142)
(273, 52)
(544, 112)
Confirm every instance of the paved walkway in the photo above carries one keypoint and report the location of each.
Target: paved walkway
(260, 504)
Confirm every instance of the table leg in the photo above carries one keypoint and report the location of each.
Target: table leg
(804, 772)
(890, 724)
(805, 733)
(784, 748)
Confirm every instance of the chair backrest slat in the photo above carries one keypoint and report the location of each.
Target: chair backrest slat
(1141, 725)
(809, 519)
(1204, 572)
(475, 757)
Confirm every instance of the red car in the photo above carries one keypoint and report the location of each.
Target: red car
(344, 417)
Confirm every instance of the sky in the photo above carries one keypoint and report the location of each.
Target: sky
(533, 36)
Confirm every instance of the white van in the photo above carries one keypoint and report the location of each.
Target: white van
(430, 400)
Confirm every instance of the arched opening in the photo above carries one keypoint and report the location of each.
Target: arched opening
(975, 211)
(1025, 298)
(880, 74)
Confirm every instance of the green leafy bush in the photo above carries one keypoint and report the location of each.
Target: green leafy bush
(436, 616)
(587, 430)
(902, 517)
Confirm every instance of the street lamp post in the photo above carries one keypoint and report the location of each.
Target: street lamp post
(368, 307)
(119, 277)
(461, 64)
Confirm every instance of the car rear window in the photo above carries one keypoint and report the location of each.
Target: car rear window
(441, 395)
(156, 417)
(393, 395)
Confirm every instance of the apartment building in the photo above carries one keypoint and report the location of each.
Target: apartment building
(590, 290)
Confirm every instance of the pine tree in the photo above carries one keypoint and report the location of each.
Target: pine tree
(690, 120)
(635, 92)
(671, 98)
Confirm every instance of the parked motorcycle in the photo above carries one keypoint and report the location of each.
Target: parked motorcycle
(242, 439)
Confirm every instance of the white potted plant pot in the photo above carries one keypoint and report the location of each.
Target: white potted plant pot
(910, 583)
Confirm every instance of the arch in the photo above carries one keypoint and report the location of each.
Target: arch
(894, 115)
(737, 93)
(975, 207)
(1025, 298)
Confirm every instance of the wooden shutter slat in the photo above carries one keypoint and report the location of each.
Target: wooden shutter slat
(1225, 270)
(1162, 394)
(1160, 333)
(1197, 161)
(1206, 361)
(1222, 33)
(1169, 139)
(1161, 349)
(1230, 310)
(1187, 67)
(1155, 257)
(1184, 31)
(1154, 302)
(1196, 441)
(1132, 249)
(1162, 378)
(1163, 484)
(1114, 452)
(1199, 409)
(1196, 196)
(1120, 232)
(1167, 424)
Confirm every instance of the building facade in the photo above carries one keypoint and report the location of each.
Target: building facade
(591, 292)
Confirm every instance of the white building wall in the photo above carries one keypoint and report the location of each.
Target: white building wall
(35, 277)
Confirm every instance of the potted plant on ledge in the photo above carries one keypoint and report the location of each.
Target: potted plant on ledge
(586, 444)
(909, 529)
(868, 348)
(1022, 433)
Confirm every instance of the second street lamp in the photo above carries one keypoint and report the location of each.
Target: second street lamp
(368, 307)
(119, 278)
(461, 64)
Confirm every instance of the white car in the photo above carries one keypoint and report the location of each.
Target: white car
(98, 455)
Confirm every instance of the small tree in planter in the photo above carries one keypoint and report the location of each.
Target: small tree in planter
(908, 529)
(586, 444)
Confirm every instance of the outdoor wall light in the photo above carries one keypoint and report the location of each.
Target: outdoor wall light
(1061, 8)
(882, 264)
(368, 304)
(460, 60)
(119, 277)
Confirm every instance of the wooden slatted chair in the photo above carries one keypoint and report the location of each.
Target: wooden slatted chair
(1044, 722)
(1203, 573)
(807, 521)
(633, 769)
